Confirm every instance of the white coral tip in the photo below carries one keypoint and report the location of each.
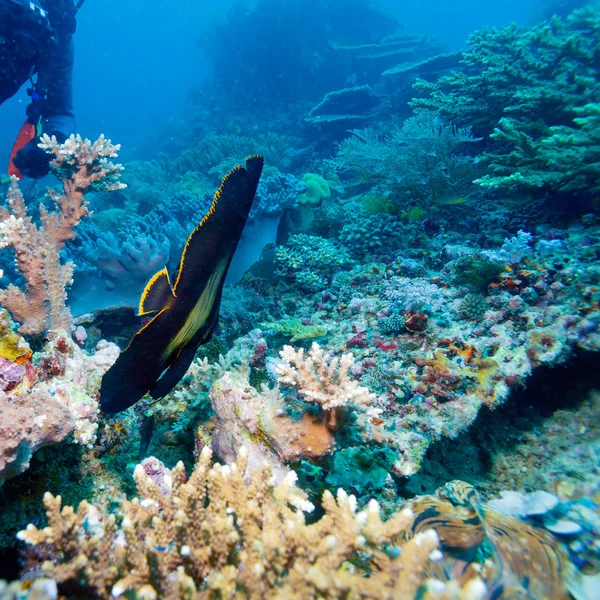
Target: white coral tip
(291, 478)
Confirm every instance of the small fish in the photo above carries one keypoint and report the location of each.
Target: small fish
(183, 316)
(450, 200)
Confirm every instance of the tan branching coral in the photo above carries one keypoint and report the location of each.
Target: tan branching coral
(216, 536)
(322, 379)
(83, 167)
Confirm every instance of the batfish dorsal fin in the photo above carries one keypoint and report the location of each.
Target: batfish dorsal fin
(217, 235)
(156, 294)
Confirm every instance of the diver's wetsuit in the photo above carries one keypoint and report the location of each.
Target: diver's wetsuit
(44, 47)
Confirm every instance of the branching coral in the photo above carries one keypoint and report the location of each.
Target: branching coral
(83, 167)
(216, 535)
(421, 159)
(519, 86)
(321, 378)
(564, 159)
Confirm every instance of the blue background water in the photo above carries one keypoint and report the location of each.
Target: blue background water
(139, 63)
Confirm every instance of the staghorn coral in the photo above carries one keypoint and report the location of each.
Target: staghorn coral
(563, 160)
(514, 71)
(216, 535)
(83, 167)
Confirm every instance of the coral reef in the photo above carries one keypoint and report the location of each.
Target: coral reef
(213, 534)
(436, 274)
(420, 160)
(516, 86)
(218, 533)
(47, 397)
(82, 167)
(310, 261)
(349, 105)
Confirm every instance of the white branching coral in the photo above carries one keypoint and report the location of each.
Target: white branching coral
(321, 378)
(90, 159)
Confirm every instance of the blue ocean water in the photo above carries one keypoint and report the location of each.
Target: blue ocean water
(328, 260)
(139, 65)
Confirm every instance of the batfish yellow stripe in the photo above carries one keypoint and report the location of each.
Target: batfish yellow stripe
(146, 326)
(147, 289)
(210, 212)
(201, 311)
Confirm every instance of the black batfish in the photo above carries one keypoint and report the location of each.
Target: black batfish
(160, 353)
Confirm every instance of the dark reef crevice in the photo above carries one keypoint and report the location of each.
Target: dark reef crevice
(470, 455)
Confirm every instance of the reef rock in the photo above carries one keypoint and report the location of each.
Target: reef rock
(29, 422)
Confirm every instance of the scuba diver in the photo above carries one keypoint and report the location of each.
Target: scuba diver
(36, 39)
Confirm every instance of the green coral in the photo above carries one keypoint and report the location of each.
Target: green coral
(566, 159)
(391, 325)
(473, 307)
(475, 271)
(535, 92)
(367, 234)
(421, 160)
(317, 190)
(296, 330)
(362, 470)
(378, 203)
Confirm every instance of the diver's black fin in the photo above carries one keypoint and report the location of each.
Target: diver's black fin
(173, 375)
(215, 239)
(156, 294)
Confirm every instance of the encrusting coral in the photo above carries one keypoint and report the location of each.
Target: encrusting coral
(258, 419)
(82, 167)
(217, 535)
(47, 397)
